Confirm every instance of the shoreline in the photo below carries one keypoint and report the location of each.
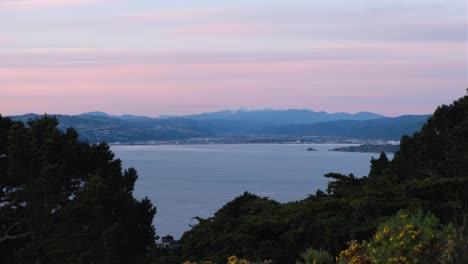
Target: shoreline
(182, 143)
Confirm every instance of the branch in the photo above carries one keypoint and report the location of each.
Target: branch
(8, 237)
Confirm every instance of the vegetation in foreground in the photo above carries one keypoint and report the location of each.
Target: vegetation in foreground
(67, 201)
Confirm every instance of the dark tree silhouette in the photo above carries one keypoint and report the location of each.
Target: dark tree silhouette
(66, 201)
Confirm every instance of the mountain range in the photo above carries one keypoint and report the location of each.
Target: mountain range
(100, 126)
(283, 117)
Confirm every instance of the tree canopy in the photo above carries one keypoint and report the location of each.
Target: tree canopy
(67, 201)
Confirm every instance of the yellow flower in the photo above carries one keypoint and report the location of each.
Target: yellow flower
(377, 237)
(402, 233)
(232, 260)
(386, 230)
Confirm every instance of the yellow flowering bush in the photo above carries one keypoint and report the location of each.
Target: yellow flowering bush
(410, 238)
(355, 254)
(404, 239)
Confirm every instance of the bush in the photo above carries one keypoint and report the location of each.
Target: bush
(312, 256)
(405, 238)
(355, 254)
(412, 238)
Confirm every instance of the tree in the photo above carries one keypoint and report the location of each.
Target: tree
(67, 201)
(433, 163)
(378, 166)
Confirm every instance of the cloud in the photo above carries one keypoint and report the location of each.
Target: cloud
(349, 51)
(252, 56)
(46, 3)
(171, 14)
(316, 79)
(4, 39)
(425, 24)
(229, 29)
(331, 86)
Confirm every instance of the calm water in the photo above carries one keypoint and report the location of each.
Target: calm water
(196, 180)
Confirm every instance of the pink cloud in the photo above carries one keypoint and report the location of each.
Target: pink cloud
(381, 52)
(253, 84)
(4, 39)
(172, 14)
(387, 78)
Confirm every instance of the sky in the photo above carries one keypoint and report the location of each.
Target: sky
(155, 57)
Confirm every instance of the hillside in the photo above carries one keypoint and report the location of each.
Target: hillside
(382, 128)
(97, 128)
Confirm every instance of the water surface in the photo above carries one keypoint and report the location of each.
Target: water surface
(184, 181)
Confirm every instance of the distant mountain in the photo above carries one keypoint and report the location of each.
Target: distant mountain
(123, 117)
(95, 113)
(282, 117)
(100, 126)
(382, 128)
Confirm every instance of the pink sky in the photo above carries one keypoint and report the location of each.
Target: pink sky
(122, 57)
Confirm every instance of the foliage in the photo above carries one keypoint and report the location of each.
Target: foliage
(202, 262)
(235, 260)
(412, 238)
(312, 256)
(66, 201)
(230, 260)
(355, 254)
(405, 238)
(461, 238)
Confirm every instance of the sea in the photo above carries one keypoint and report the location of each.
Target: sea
(186, 181)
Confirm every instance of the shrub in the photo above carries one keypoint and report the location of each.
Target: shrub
(235, 260)
(355, 254)
(412, 238)
(405, 239)
(312, 256)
